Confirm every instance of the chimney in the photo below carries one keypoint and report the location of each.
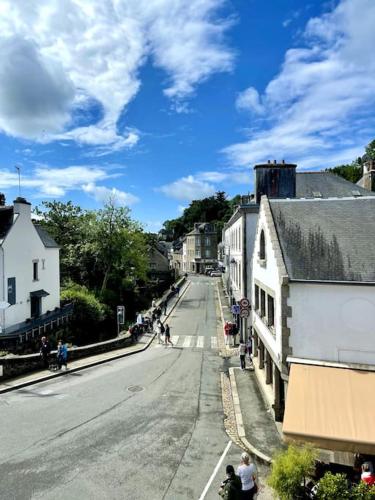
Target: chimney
(276, 180)
(22, 207)
(2, 200)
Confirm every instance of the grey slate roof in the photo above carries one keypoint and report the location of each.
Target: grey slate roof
(6, 220)
(329, 185)
(326, 239)
(47, 240)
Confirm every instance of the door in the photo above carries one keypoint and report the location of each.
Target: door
(35, 307)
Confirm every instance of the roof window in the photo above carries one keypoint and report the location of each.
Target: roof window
(356, 193)
(317, 194)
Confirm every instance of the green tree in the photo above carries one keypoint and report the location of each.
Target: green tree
(370, 150)
(351, 173)
(333, 487)
(362, 491)
(290, 469)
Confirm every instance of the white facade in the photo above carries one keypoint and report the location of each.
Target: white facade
(33, 266)
(332, 322)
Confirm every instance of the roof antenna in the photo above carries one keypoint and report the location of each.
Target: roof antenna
(19, 179)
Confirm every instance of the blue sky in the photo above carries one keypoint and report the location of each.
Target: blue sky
(158, 102)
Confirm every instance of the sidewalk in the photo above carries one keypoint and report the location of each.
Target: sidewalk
(42, 375)
(256, 428)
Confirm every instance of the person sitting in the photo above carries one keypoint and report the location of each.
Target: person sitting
(231, 487)
(368, 475)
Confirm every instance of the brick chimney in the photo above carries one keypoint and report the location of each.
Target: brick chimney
(22, 207)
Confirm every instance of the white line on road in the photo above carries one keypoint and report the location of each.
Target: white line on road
(174, 339)
(213, 342)
(200, 341)
(215, 471)
(187, 341)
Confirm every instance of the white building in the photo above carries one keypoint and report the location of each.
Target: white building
(29, 270)
(313, 292)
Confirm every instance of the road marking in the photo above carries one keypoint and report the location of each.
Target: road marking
(174, 339)
(200, 341)
(187, 341)
(215, 471)
(213, 342)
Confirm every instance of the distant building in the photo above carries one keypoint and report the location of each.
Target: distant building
(158, 260)
(29, 273)
(201, 247)
(368, 178)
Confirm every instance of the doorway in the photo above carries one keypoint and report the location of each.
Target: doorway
(35, 303)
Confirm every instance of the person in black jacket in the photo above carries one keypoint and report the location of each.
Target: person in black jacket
(231, 487)
(45, 350)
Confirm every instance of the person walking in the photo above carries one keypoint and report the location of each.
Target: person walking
(45, 349)
(246, 471)
(177, 291)
(159, 330)
(234, 333)
(249, 349)
(168, 335)
(164, 305)
(230, 488)
(242, 355)
(153, 303)
(62, 355)
(227, 329)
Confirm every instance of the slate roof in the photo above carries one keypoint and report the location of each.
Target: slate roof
(203, 228)
(329, 185)
(47, 240)
(327, 239)
(6, 220)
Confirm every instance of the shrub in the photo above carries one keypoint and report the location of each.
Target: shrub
(363, 492)
(290, 469)
(333, 487)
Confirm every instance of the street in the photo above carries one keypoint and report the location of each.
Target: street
(149, 426)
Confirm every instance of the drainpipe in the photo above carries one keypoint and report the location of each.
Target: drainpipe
(2, 289)
(244, 274)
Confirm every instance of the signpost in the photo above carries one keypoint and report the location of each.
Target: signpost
(244, 313)
(235, 309)
(120, 318)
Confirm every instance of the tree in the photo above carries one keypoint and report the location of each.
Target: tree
(351, 173)
(370, 150)
(333, 487)
(362, 491)
(290, 469)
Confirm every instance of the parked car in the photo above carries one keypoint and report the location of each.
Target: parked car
(215, 273)
(209, 270)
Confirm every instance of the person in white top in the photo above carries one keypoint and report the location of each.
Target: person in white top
(247, 473)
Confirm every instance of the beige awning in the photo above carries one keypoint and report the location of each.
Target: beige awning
(333, 408)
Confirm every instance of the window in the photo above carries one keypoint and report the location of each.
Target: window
(43, 263)
(208, 241)
(208, 252)
(256, 297)
(198, 241)
(270, 311)
(262, 303)
(11, 291)
(262, 246)
(35, 271)
(197, 252)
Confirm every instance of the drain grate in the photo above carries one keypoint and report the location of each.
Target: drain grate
(136, 388)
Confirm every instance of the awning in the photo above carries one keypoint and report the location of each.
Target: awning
(333, 408)
(39, 293)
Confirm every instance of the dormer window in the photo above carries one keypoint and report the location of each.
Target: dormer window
(262, 246)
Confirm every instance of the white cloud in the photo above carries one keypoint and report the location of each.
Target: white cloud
(181, 208)
(249, 100)
(104, 195)
(317, 105)
(62, 55)
(187, 189)
(57, 182)
(203, 184)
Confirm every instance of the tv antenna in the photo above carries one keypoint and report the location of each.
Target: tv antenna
(19, 179)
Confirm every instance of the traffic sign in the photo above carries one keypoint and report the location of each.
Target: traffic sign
(244, 303)
(235, 309)
(244, 313)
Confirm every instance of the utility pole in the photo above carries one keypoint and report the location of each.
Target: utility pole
(19, 179)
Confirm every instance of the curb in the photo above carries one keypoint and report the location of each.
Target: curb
(93, 363)
(239, 422)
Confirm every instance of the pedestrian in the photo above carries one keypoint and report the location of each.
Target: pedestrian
(247, 473)
(242, 355)
(177, 290)
(165, 303)
(249, 349)
(168, 335)
(62, 355)
(158, 312)
(158, 330)
(227, 329)
(173, 289)
(230, 488)
(153, 303)
(234, 332)
(368, 475)
(140, 322)
(45, 349)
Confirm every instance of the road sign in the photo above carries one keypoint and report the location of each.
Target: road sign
(244, 313)
(235, 309)
(244, 303)
(120, 315)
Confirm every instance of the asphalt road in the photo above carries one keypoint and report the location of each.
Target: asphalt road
(149, 426)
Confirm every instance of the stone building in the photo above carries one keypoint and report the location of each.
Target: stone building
(201, 247)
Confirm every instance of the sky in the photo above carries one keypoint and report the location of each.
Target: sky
(154, 103)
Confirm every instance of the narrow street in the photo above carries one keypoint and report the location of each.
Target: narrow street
(149, 426)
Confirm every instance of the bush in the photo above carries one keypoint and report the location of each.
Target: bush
(333, 487)
(88, 314)
(363, 492)
(290, 469)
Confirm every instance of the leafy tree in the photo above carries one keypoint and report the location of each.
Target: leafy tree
(351, 173)
(362, 491)
(370, 150)
(290, 469)
(88, 316)
(333, 487)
